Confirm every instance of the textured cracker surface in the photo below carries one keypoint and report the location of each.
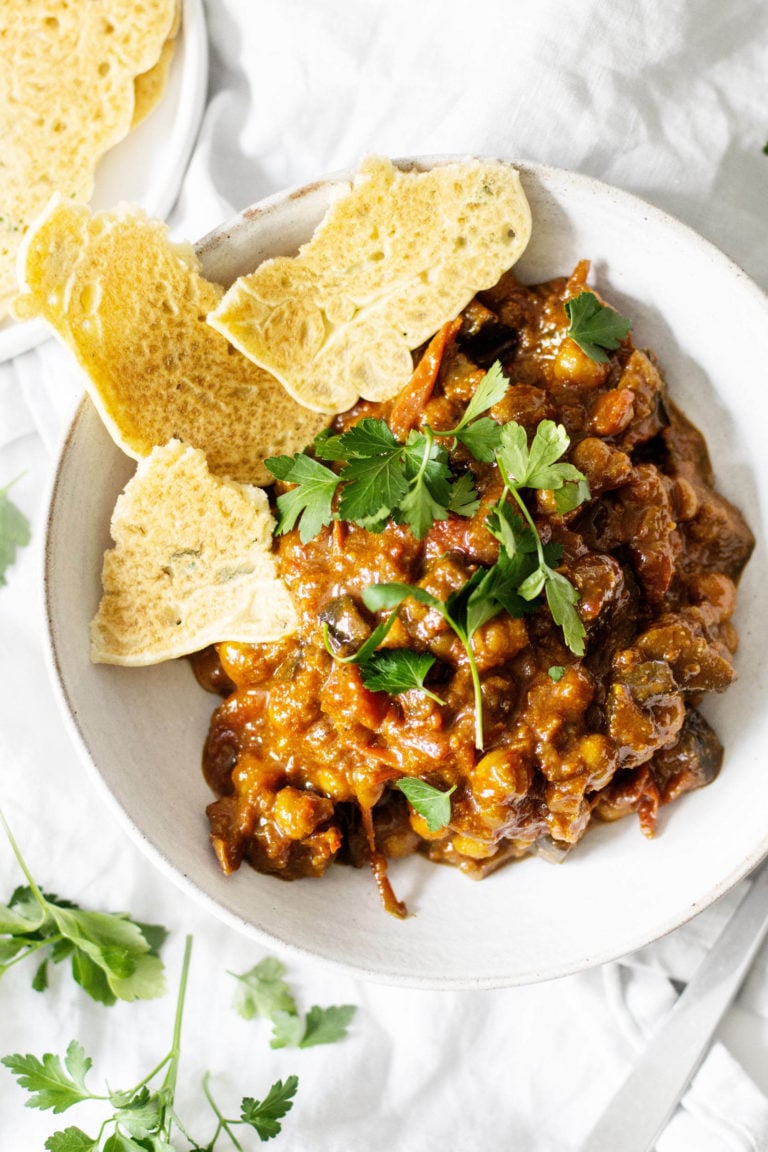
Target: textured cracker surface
(395, 258)
(68, 73)
(192, 564)
(132, 307)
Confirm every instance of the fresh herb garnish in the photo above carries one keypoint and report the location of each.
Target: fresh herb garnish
(393, 670)
(383, 479)
(397, 670)
(309, 503)
(463, 612)
(556, 672)
(464, 500)
(596, 328)
(14, 530)
(539, 466)
(263, 992)
(430, 803)
(143, 1117)
(112, 957)
(479, 434)
(526, 567)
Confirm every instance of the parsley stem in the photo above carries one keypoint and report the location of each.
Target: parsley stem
(521, 505)
(475, 674)
(223, 1124)
(20, 860)
(169, 1084)
(510, 489)
(33, 947)
(428, 442)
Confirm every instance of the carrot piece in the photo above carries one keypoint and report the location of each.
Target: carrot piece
(410, 403)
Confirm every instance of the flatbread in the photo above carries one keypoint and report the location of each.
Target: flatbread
(148, 88)
(67, 94)
(396, 257)
(132, 307)
(192, 565)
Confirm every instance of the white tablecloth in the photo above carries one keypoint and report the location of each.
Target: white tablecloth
(665, 98)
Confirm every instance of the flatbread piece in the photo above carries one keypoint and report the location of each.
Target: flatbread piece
(396, 257)
(68, 70)
(192, 565)
(132, 306)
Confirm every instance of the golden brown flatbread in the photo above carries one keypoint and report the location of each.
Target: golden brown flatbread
(68, 70)
(396, 257)
(132, 306)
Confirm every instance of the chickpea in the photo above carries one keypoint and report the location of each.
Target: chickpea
(572, 366)
(475, 849)
(503, 772)
(613, 411)
(298, 813)
(715, 593)
(685, 499)
(498, 640)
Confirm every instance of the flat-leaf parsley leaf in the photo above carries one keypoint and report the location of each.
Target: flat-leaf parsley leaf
(596, 328)
(308, 504)
(397, 670)
(262, 991)
(264, 1115)
(430, 803)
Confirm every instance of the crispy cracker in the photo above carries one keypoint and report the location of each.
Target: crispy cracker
(192, 565)
(395, 258)
(67, 95)
(132, 307)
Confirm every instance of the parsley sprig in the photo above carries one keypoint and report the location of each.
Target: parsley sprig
(479, 434)
(539, 467)
(392, 670)
(464, 611)
(382, 478)
(263, 992)
(112, 957)
(596, 328)
(143, 1117)
(526, 566)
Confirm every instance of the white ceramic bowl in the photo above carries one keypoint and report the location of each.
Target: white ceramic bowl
(142, 730)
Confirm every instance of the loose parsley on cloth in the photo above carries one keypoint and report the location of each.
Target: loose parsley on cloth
(263, 992)
(14, 531)
(112, 957)
(143, 1118)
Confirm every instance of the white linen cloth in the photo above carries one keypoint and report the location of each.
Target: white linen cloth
(665, 98)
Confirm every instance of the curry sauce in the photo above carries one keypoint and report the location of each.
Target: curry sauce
(303, 757)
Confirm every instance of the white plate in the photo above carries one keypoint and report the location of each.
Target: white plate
(142, 730)
(148, 166)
